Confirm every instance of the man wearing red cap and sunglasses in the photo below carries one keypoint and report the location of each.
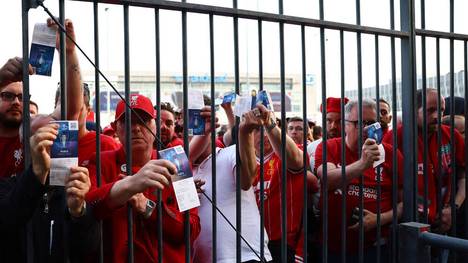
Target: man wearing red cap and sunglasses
(148, 174)
(357, 166)
(333, 125)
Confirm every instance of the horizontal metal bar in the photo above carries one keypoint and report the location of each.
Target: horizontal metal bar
(441, 241)
(441, 34)
(248, 14)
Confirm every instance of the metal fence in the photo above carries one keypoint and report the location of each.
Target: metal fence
(407, 37)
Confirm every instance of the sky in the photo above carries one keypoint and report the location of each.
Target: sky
(142, 52)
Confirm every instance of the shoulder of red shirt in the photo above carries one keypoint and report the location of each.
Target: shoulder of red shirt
(176, 141)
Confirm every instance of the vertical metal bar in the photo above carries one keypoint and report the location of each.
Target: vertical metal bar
(63, 76)
(465, 58)
(343, 152)
(284, 219)
(63, 93)
(439, 141)
(128, 130)
(213, 144)
(424, 107)
(452, 130)
(379, 168)
(97, 92)
(262, 155)
(186, 142)
(361, 177)
(395, 198)
(439, 154)
(236, 129)
(305, 129)
(324, 139)
(159, 223)
(408, 83)
(26, 117)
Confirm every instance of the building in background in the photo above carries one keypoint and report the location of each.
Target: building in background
(431, 82)
(171, 90)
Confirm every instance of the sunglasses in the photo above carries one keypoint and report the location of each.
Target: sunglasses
(9, 96)
(364, 122)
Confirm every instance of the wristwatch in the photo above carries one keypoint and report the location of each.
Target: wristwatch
(150, 205)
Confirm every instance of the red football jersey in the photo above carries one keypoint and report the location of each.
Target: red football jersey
(144, 230)
(352, 195)
(175, 142)
(432, 167)
(87, 146)
(272, 200)
(12, 163)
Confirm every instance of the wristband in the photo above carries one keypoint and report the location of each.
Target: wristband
(83, 211)
(272, 125)
(150, 205)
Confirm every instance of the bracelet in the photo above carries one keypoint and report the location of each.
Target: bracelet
(272, 125)
(449, 206)
(83, 211)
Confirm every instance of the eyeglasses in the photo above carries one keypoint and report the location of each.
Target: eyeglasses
(9, 96)
(364, 122)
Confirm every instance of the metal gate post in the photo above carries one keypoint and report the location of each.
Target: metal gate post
(411, 248)
(408, 91)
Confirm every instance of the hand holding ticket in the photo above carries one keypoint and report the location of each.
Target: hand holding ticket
(42, 49)
(184, 186)
(64, 152)
(196, 121)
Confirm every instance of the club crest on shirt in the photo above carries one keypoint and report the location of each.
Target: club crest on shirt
(123, 168)
(376, 171)
(18, 155)
(338, 192)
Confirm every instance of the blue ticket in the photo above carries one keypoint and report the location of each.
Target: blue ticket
(375, 132)
(64, 152)
(182, 182)
(264, 98)
(66, 143)
(196, 122)
(177, 156)
(229, 98)
(42, 51)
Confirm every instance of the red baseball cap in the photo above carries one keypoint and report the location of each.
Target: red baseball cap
(137, 102)
(334, 104)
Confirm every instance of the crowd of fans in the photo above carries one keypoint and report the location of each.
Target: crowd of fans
(62, 224)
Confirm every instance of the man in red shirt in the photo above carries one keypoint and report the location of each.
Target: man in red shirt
(355, 166)
(168, 137)
(11, 116)
(296, 130)
(385, 115)
(333, 125)
(272, 182)
(110, 200)
(441, 223)
(11, 104)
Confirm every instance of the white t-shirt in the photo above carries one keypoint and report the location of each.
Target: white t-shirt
(311, 148)
(226, 202)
